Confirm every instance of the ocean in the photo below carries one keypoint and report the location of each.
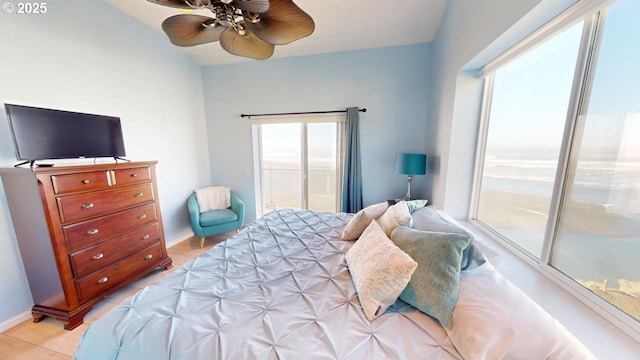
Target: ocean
(533, 170)
(599, 233)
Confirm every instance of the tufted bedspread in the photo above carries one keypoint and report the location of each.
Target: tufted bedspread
(280, 289)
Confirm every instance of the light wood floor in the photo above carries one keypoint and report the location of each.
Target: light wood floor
(48, 339)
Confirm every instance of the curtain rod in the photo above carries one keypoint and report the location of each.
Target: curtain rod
(301, 113)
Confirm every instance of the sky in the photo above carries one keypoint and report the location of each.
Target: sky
(531, 94)
(282, 142)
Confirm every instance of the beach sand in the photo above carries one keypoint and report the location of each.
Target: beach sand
(591, 236)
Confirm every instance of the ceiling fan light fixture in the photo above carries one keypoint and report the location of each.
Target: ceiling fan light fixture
(240, 29)
(251, 16)
(259, 25)
(224, 16)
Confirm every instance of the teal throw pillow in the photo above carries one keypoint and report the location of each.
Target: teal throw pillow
(433, 288)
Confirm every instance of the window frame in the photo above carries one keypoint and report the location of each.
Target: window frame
(594, 16)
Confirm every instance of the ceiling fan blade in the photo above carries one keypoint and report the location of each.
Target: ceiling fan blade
(283, 23)
(256, 6)
(187, 30)
(247, 45)
(180, 4)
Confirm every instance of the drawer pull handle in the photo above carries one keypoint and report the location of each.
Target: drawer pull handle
(139, 194)
(103, 280)
(145, 237)
(98, 257)
(134, 175)
(87, 206)
(142, 216)
(86, 181)
(148, 257)
(92, 232)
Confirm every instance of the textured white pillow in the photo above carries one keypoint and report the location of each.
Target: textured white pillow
(379, 269)
(361, 220)
(396, 215)
(493, 319)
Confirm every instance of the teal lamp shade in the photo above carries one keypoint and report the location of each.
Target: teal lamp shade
(411, 164)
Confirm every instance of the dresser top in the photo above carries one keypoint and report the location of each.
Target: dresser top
(64, 168)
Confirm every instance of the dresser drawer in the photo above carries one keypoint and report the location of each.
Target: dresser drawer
(132, 176)
(81, 181)
(103, 254)
(114, 274)
(84, 206)
(91, 232)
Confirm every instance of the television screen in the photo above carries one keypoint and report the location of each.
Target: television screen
(40, 134)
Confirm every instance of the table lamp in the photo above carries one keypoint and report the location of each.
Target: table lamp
(411, 164)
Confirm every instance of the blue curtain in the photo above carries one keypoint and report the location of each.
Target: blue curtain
(352, 174)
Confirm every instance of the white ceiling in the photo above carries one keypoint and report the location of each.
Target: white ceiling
(340, 25)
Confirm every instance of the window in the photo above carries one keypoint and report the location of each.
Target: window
(299, 163)
(598, 238)
(524, 139)
(560, 173)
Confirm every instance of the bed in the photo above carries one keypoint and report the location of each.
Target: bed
(282, 289)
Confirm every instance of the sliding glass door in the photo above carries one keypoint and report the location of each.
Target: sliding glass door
(281, 150)
(322, 166)
(300, 163)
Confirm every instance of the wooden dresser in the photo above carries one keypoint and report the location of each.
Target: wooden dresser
(84, 232)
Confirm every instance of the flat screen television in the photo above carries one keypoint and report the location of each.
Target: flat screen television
(41, 134)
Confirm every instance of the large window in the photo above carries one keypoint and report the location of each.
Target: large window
(299, 163)
(524, 139)
(560, 175)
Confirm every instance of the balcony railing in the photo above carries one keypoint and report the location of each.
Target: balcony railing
(282, 188)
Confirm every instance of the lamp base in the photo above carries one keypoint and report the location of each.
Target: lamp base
(408, 196)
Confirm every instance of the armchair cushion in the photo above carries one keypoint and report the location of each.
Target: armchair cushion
(217, 217)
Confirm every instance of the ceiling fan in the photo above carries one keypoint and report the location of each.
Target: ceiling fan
(249, 28)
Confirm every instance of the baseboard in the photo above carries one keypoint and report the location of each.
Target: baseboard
(14, 321)
(180, 239)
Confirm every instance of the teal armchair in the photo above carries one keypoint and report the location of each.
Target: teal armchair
(216, 221)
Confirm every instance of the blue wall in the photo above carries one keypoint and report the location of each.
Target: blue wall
(392, 83)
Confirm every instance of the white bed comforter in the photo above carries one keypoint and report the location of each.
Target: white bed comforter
(280, 289)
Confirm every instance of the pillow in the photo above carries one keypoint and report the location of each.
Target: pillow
(429, 219)
(379, 269)
(493, 319)
(396, 215)
(433, 288)
(361, 220)
(213, 198)
(482, 246)
(415, 205)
